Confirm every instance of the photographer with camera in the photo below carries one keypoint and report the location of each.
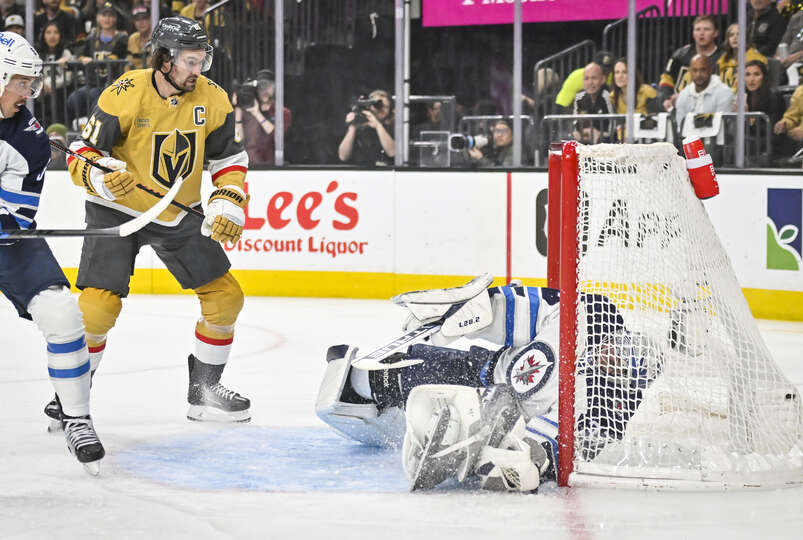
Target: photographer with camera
(707, 95)
(255, 114)
(369, 138)
(500, 154)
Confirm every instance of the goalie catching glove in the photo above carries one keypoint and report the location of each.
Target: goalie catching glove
(225, 214)
(113, 185)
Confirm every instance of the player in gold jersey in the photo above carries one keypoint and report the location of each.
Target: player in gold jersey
(151, 127)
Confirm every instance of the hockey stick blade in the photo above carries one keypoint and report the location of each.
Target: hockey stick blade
(127, 228)
(382, 358)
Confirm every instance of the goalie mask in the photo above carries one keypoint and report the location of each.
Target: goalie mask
(178, 34)
(17, 57)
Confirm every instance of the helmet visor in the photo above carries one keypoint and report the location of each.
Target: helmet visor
(28, 87)
(192, 60)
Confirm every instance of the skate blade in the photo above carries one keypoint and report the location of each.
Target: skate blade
(93, 467)
(54, 426)
(201, 413)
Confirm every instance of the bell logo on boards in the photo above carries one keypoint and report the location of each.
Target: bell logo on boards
(784, 221)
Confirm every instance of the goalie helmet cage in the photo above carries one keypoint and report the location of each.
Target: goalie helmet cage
(674, 387)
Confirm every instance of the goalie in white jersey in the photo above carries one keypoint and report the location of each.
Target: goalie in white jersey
(485, 416)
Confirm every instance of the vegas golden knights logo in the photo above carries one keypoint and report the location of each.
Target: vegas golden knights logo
(173, 156)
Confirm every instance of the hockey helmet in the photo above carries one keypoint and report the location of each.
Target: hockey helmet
(17, 57)
(181, 34)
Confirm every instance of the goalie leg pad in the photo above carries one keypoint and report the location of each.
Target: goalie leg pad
(443, 423)
(56, 313)
(350, 415)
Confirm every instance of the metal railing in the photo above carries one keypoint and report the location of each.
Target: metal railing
(650, 29)
(72, 89)
(561, 64)
(609, 128)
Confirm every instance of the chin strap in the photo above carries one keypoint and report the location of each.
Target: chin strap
(168, 79)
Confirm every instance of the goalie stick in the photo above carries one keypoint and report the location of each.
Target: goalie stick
(125, 229)
(188, 209)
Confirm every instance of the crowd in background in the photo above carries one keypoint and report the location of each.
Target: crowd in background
(87, 43)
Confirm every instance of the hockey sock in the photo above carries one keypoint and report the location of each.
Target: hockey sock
(56, 313)
(68, 367)
(212, 343)
(96, 346)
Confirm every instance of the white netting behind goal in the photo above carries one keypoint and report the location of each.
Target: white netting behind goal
(674, 383)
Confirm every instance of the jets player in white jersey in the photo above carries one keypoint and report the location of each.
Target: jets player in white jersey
(30, 277)
(478, 412)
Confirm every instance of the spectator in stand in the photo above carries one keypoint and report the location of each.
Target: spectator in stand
(52, 48)
(729, 61)
(51, 11)
(792, 42)
(369, 136)
(105, 42)
(136, 43)
(791, 125)
(675, 77)
(10, 7)
(500, 153)
(255, 121)
(16, 24)
(594, 99)
(760, 97)
(646, 96)
(574, 82)
(58, 159)
(767, 26)
(92, 8)
(433, 121)
(707, 94)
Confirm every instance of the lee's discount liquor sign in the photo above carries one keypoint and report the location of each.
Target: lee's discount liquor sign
(316, 220)
(477, 12)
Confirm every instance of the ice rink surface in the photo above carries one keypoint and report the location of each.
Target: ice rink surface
(285, 475)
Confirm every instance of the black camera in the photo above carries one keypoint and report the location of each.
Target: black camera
(246, 94)
(363, 104)
(648, 122)
(458, 142)
(703, 120)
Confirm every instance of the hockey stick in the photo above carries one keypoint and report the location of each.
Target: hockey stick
(59, 146)
(127, 228)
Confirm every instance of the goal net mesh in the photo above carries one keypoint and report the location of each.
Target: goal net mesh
(673, 379)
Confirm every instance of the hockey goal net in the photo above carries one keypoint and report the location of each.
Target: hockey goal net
(665, 379)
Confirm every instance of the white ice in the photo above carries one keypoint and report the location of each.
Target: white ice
(284, 475)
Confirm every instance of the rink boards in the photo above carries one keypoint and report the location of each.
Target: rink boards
(373, 234)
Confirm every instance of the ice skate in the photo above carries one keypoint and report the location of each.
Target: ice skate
(83, 442)
(53, 413)
(209, 400)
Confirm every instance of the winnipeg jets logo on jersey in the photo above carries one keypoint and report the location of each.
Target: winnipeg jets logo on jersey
(531, 368)
(34, 126)
(173, 156)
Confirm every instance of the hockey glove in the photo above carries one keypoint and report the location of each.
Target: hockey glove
(225, 214)
(113, 185)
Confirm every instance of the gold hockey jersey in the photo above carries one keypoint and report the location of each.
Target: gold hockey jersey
(161, 139)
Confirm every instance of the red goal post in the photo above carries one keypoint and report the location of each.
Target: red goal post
(674, 386)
